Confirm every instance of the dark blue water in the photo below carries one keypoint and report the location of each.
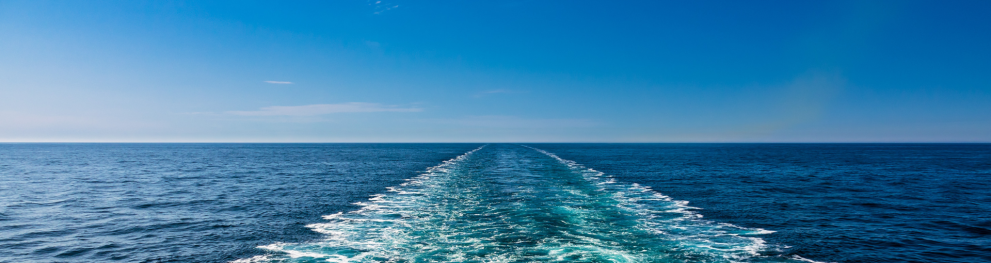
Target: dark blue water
(498, 203)
(186, 202)
(828, 202)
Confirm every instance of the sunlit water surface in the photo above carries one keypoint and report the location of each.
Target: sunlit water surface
(494, 203)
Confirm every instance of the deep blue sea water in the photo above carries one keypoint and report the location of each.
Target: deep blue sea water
(495, 202)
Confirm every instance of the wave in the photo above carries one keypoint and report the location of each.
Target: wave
(509, 204)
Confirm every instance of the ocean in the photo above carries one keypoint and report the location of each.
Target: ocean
(495, 202)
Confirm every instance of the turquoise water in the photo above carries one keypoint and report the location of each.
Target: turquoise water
(508, 203)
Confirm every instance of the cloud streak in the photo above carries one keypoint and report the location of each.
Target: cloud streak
(500, 122)
(495, 91)
(381, 7)
(322, 109)
(277, 82)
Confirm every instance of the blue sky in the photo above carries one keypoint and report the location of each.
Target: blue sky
(495, 71)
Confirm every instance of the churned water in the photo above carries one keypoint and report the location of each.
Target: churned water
(186, 202)
(495, 203)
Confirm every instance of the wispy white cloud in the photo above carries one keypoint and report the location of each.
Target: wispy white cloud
(506, 122)
(321, 109)
(381, 7)
(495, 91)
(277, 82)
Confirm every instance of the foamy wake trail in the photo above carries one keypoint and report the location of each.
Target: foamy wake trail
(515, 204)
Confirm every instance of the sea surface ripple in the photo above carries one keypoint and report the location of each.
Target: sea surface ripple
(82, 202)
(186, 202)
(508, 203)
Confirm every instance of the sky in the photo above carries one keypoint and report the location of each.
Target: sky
(495, 71)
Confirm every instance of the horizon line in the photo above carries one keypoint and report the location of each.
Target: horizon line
(572, 142)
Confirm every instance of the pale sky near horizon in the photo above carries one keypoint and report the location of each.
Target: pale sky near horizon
(495, 71)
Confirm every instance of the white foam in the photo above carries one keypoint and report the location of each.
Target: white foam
(800, 258)
(366, 231)
(418, 221)
(255, 259)
(695, 234)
